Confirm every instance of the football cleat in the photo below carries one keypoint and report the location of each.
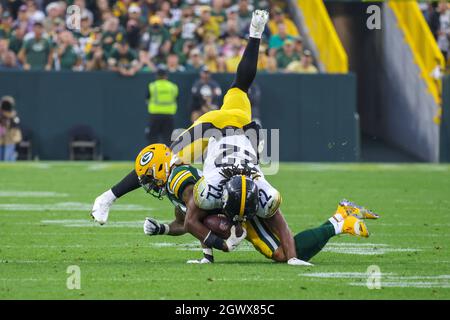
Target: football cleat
(346, 208)
(102, 205)
(199, 261)
(354, 226)
(259, 20)
(298, 262)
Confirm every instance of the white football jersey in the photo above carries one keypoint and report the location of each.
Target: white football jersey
(229, 150)
(232, 150)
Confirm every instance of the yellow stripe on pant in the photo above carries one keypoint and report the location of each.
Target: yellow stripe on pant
(262, 238)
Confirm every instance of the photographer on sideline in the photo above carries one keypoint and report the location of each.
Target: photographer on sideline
(10, 133)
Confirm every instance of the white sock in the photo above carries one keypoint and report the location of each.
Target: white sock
(109, 196)
(338, 224)
(208, 251)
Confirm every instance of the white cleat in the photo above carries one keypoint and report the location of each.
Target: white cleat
(102, 205)
(259, 20)
(298, 262)
(199, 261)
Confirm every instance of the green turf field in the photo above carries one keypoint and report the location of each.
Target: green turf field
(45, 228)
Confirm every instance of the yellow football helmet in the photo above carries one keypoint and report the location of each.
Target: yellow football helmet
(152, 167)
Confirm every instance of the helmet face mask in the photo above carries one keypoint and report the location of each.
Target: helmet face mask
(153, 186)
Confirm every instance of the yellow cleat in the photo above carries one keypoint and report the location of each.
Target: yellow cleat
(346, 208)
(354, 226)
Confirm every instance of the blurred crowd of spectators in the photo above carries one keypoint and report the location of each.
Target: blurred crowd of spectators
(130, 36)
(437, 15)
(10, 133)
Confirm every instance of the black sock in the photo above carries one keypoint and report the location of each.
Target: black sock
(127, 184)
(246, 70)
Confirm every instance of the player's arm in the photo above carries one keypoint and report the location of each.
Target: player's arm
(153, 227)
(193, 224)
(281, 228)
(194, 216)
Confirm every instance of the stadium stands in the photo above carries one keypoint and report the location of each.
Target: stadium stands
(135, 36)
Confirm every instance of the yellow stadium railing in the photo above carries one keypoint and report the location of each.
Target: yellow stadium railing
(330, 51)
(422, 43)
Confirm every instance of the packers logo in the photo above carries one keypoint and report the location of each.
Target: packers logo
(146, 158)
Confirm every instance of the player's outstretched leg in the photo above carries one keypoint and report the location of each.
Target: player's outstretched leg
(247, 67)
(310, 242)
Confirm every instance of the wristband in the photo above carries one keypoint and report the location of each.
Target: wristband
(214, 241)
(164, 229)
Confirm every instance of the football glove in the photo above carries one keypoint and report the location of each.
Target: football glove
(153, 227)
(233, 241)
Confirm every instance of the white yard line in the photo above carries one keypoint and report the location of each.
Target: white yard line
(68, 206)
(411, 284)
(31, 194)
(387, 279)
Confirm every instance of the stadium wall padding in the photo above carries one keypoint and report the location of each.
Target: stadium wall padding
(444, 154)
(316, 114)
(406, 109)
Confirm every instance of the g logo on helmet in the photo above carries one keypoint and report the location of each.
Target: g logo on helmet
(146, 158)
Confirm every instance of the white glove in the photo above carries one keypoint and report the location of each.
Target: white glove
(298, 262)
(199, 261)
(259, 20)
(153, 227)
(233, 241)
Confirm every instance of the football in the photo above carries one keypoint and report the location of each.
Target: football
(220, 225)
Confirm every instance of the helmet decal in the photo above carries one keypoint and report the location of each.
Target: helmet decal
(146, 158)
(243, 196)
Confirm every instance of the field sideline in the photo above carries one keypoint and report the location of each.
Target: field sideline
(45, 227)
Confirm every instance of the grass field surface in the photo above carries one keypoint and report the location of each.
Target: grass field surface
(45, 228)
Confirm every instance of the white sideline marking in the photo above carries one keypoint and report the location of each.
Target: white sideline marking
(68, 206)
(31, 194)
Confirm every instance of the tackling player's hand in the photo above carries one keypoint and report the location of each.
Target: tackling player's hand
(152, 227)
(298, 262)
(233, 241)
